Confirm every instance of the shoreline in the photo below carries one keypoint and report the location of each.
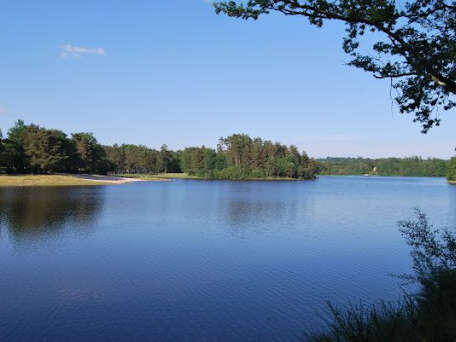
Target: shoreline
(103, 179)
(26, 180)
(61, 179)
(367, 176)
(185, 176)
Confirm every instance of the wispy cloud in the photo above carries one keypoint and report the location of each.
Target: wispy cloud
(2, 110)
(69, 50)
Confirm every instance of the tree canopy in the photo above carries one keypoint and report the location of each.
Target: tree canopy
(241, 157)
(452, 170)
(35, 149)
(414, 44)
(137, 159)
(410, 167)
(45, 149)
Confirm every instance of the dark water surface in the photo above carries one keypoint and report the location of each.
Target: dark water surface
(202, 261)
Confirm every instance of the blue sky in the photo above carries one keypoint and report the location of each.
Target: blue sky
(154, 72)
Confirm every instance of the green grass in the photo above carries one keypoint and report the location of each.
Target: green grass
(43, 180)
(142, 176)
(178, 176)
(169, 176)
(273, 179)
(172, 175)
(187, 176)
(158, 177)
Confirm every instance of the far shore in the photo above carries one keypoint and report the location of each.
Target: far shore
(366, 175)
(170, 176)
(26, 180)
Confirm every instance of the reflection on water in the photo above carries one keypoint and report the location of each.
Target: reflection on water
(244, 214)
(205, 261)
(32, 213)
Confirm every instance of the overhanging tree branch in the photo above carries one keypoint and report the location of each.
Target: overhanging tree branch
(420, 52)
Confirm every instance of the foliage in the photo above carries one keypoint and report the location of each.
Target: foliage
(91, 157)
(35, 149)
(433, 251)
(386, 322)
(429, 315)
(14, 155)
(139, 159)
(412, 166)
(414, 43)
(46, 150)
(2, 149)
(241, 157)
(179, 175)
(237, 157)
(451, 175)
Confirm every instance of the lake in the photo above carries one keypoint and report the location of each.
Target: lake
(201, 260)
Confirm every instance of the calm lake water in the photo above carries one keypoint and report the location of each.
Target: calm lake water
(203, 261)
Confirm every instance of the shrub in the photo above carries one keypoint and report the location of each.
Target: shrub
(429, 315)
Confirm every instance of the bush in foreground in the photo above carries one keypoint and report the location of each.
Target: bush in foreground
(429, 315)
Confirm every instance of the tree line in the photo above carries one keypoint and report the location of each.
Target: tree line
(140, 159)
(236, 157)
(35, 149)
(451, 175)
(241, 157)
(410, 167)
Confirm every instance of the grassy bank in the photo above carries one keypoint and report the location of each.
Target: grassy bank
(43, 180)
(165, 176)
(158, 177)
(178, 176)
(142, 176)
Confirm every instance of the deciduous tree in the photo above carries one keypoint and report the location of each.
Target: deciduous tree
(414, 43)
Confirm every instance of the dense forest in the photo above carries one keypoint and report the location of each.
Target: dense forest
(35, 149)
(412, 167)
(236, 157)
(139, 159)
(239, 156)
(452, 170)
